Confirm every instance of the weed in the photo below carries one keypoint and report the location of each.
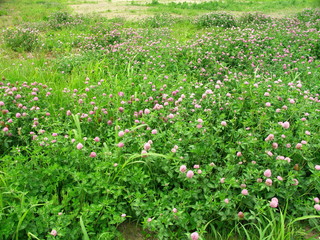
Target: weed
(159, 20)
(21, 39)
(3, 12)
(254, 18)
(60, 20)
(223, 20)
(309, 15)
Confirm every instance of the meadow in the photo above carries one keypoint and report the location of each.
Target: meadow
(202, 122)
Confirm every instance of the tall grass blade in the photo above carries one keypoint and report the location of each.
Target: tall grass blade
(30, 236)
(78, 132)
(84, 230)
(16, 234)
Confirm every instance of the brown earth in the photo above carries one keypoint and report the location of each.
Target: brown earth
(112, 8)
(136, 9)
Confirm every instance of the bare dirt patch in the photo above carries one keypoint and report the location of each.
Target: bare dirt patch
(128, 9)
(112, 9)
(137, 9)
(132, 231)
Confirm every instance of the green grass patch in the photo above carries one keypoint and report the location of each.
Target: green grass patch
(232, 5)
(31, 11)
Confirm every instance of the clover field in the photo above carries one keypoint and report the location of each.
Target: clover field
(204, 127)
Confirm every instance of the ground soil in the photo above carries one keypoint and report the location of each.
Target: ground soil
(112, 8)
(136, 9)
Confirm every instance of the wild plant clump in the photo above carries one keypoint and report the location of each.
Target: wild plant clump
(21, 39)
(223, 20)
(60, 20)
(254, 18)
(159, 20)
(309, 15)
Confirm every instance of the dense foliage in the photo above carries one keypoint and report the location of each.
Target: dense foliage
(183, 137)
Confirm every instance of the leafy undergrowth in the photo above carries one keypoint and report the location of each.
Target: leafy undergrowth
(216, 137)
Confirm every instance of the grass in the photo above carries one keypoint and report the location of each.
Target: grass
(267, 7)
(18, 11)
(154, 129)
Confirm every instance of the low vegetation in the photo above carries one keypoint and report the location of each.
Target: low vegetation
(202, 127)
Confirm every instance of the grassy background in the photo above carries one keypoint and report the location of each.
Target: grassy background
(61, 63)
(21, 11)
